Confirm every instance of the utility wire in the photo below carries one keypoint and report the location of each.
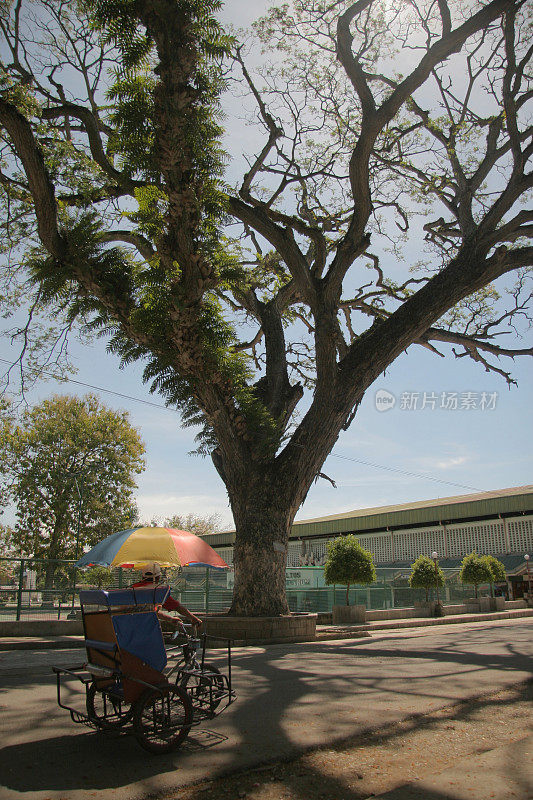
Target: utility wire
(333, 453)
(405, 472)
(97, 388)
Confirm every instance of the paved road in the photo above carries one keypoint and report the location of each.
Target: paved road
(291, 697)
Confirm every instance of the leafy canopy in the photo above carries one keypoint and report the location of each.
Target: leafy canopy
(70, 459)
(475, 570)
(424, 576)
(496, 567)
(348, 563)
(265, 309)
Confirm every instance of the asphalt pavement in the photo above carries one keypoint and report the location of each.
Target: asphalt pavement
(290, 698)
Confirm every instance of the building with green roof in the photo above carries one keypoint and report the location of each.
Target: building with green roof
(499, 523)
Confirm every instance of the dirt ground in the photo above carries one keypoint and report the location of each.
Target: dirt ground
(383, 759)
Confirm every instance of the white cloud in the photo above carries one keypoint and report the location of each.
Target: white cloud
(447, 463)
(444, 462)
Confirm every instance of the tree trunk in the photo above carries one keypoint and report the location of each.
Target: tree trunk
(348, 594)
(53, 555)
(49, 574)
(263, 522)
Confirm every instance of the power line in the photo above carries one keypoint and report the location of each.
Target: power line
(336, 455)
(97, 388)
(405, 472)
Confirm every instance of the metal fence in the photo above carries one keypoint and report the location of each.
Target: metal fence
(37, 589)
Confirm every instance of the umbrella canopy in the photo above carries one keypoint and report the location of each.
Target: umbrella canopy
(138, 547)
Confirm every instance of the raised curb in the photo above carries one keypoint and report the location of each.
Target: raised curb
(323, 633)
(343, 632)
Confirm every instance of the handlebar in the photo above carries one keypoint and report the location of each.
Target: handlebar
(181, 629)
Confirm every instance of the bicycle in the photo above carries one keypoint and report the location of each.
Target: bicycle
(202, 681)
(129, 677)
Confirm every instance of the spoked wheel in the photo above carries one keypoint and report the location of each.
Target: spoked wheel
(105, 710)
(162, 718)
(206, 690)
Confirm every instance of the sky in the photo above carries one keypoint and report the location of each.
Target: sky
(430, 427)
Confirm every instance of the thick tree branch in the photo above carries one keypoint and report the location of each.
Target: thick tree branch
(451, 42)
(90, 125)
(280, 238)
(143, 245)
(41, 187)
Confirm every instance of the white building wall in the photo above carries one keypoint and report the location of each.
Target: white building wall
(450, 541)
(520, 534)
(408, 545)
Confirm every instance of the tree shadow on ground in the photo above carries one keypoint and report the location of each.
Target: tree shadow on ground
(298, 780)
(282, 680)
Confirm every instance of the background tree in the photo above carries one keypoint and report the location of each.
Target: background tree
(474, 571)
(348, 563)
(63, 445)
(263, 311)
(423, 575)
(6, 541)
(497, 571)
(97, 576)
(194, 523)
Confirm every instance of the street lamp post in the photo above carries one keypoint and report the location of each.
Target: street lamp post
(438, 607)
(528, 575)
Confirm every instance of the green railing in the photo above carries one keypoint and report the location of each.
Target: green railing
(37, 589)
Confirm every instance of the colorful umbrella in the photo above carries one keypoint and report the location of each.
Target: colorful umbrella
(138, 547)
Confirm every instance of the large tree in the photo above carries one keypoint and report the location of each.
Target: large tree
(239, 300)
(70, 465)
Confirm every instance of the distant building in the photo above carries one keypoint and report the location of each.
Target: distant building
(499, 523)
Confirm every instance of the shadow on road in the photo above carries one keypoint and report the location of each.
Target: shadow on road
(94, 761)
(285, 680)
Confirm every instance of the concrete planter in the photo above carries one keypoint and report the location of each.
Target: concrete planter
(260, 630)
(349, 614)
(491, 604)
(425, 607)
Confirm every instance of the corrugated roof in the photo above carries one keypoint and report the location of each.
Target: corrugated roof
(514, 500)
(441, 501)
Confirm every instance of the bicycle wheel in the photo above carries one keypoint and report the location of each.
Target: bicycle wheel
(205, 690)
(162, 718)
(105, 710)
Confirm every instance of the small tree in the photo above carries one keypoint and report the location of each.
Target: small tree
(475, 570)
(423, 575)
(348, 563)
(497, 570)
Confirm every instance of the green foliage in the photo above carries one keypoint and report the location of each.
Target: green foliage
(348, 563)
(70, 460)
(135, 124)
(475, 570)
(194, 523)
(496, 567)
(97, 576)
(423, 574)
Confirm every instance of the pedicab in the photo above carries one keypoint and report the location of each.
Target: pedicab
(130, 679)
